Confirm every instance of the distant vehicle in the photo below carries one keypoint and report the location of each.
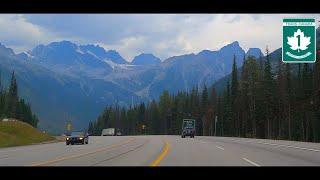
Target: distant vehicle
(118, 133)
(108, 132)
(77, 137)
(188, 128)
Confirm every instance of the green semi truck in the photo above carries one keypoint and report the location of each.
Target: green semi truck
(188, 128)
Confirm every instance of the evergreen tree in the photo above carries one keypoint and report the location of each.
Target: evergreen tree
(2, 99)
(204, 110)
(12, 99)
(164, 108)
(288, 98)
(316, 98)
(11, 106)
(268, 94)
(234, 96)
(234, 81)
(213, 105)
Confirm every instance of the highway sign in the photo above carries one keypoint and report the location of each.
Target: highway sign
(299, 41)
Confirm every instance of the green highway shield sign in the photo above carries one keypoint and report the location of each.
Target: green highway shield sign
(299, 41)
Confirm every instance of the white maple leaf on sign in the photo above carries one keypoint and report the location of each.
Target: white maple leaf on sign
(298, 41)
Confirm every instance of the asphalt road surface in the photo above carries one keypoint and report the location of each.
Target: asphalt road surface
(165, 151)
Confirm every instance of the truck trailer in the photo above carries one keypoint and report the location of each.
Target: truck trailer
(188, 128)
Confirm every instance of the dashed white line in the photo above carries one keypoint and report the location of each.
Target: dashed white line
(289, 146)
(251, 162)
(219, 147)
(279, 145)
(4, 157)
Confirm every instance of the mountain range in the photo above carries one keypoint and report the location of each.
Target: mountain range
(275, 58)
(64, 81)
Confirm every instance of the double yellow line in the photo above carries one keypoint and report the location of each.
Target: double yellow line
(164, 152)
(83, 154)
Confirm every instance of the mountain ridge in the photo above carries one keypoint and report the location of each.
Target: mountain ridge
(145, 59)
(80, 78)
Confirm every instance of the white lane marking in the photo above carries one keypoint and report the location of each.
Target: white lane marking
(28, 147)
(219, 147)
(289, 146)
(4, 157)
(251, 162)
(279, 145)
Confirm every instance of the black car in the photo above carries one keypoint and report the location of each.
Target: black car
(77, 137)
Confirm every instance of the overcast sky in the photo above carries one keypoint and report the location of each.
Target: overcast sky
(163, 35)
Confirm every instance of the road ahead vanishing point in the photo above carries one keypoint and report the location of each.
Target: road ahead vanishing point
(165, 151)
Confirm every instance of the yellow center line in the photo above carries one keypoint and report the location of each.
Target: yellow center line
(164, 152)
(119, 155)
(83, 154)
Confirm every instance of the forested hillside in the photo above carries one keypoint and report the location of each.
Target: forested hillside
(11, 106)
(266, 101)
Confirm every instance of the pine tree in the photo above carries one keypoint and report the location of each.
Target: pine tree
(204, 109)
(213, 105)
(0, 82)
(244, 104)
(234, 96)
(288, 98)
(281, 97)
(220, 116)
(307, 93)
(12, 99)
(227, 112)
(268, 94)
(2, 99)
(234, 81)
(316, 97)
(298, 124)
(90, 128)
(154, 118)
(164, 108)
(11, 106)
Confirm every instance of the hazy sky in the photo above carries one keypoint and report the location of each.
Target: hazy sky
(164, 35)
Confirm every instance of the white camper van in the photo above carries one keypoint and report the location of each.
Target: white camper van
(108, 132)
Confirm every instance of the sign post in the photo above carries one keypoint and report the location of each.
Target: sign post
(144, 128)
(69, 127)
(215, 126)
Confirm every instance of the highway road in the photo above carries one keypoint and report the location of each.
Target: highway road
(165, 151)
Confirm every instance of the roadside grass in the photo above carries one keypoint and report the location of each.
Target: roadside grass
(17, 133)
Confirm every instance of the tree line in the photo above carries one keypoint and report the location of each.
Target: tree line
(162, 117)
(260, 101)
(11, 106)
(279, 103)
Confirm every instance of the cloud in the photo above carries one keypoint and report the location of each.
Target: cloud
(18, 33)
(169, 35)
(249, 31)
(128, 46)
(164, 35)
